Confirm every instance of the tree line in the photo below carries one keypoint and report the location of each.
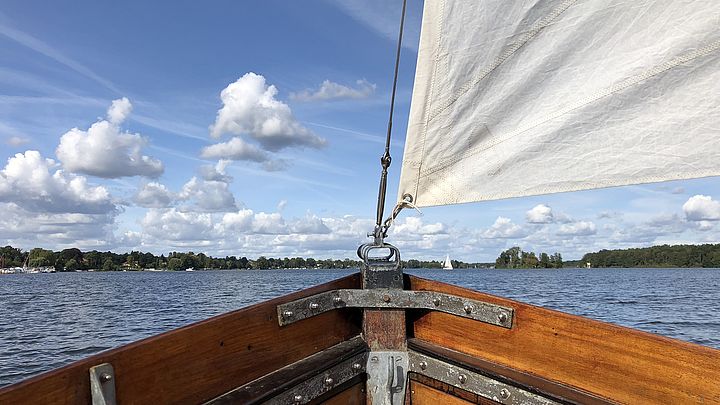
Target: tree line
(516, 258)
(74, 259)
(707, 255)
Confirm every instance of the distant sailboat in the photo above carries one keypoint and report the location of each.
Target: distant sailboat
(448, 264)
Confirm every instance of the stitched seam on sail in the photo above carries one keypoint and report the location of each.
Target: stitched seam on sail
(514, 47)
(436, 51)
(704, 51)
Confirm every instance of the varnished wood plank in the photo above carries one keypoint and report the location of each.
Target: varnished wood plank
(421, 394)
(270, 385)
(354, 395)
(508, 375)
(201, 361)
(608, 361)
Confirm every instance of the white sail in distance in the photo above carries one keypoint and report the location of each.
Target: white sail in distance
(519, 98)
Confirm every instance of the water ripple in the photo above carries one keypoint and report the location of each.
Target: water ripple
(49, 320)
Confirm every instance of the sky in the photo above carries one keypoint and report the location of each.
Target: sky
(255, 128)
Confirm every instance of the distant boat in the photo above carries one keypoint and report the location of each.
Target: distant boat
(448, 264)
(190, 269)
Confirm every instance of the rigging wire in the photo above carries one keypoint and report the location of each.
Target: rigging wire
(385, 160)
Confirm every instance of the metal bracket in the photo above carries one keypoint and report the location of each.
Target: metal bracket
(322, 383)
(387, 377)
(474, 382)
(102, 384)
(393, 298)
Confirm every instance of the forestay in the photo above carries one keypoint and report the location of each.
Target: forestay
(517, 98)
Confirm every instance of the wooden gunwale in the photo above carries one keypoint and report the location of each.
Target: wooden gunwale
(609, 362)
(279, 381)
(201, 361)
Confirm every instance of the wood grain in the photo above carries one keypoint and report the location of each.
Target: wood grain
(385, 329)
(421, 394)
(198, 362)
(608, 361)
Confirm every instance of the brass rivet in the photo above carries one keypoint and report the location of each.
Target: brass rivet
(502, 317)
(462, 378)
(329, 381)
(423, 365)
(436, 301)
(105, 377)
(314, 305)
(468, 308)
(288, 314)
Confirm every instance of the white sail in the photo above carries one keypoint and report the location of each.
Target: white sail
(448, 264)
(517, 98)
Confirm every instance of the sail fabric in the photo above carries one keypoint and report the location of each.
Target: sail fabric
(519, 98)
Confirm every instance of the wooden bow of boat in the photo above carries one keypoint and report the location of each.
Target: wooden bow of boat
(246, 356)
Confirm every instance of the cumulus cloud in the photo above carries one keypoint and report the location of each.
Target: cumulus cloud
(540, 214)
(330, 90)
(250, 108)
(216, 173)
(207, 196)
(415, 226)
(580, 228)
(235, 149)
(32, 182)
(104, 150)
(153, 195)
(504, 228)
(701, 208)
(174, 225)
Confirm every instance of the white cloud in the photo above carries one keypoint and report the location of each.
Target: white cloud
(504, 228)
(217, 172)
(154, 195)
(119, 111)
(330, 91)
(383, 17)
(173, 225)
(29, 181)
(207, 196)
(580, 228)
(234, 149)
(23, 228)
(540, 214)
(415, 226)
(105, 151)
(250, 108)
(701, 208)
(309, 225)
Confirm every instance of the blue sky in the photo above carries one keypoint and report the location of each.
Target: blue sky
(255, 128)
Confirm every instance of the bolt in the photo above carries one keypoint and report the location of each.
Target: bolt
(468, 308)
(504, 394)
(374, 359)
(436, 301)
(502, 317)
(288, 314)
(329, 381)
(297, 398)
(462, 378)
(356, 366)
(386, 298)
(337, 300)
(105, 377)
(423, 365)
(314, 305)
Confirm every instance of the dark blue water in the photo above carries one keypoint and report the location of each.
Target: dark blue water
(48, 320)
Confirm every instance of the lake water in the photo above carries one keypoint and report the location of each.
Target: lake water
(48, 320)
